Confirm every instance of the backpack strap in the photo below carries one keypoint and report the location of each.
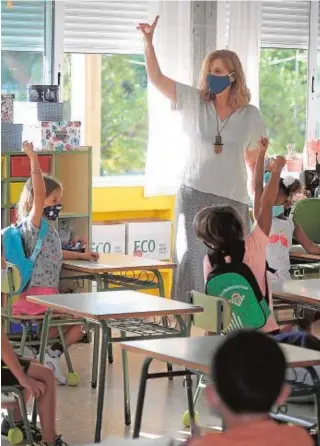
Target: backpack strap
(42, 233)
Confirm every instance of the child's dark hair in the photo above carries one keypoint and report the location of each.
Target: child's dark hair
(248, 372)
(220, 228)
(26, 197)
(290, 189)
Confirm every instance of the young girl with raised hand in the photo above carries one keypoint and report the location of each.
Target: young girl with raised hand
(41, 198)
(284, 229)
(221, 230)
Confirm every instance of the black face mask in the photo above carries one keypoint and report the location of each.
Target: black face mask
(52, 212)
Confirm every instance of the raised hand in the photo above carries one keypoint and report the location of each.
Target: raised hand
(263, 145)
(278, 163)
(28, 148)
(148, 30)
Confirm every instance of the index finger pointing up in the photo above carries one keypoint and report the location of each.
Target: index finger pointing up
(154, 24)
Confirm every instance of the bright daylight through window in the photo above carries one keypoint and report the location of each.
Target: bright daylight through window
(124, 117)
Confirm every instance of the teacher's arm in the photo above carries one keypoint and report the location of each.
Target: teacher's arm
(164, 84)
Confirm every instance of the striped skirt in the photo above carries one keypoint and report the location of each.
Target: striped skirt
(189, 252)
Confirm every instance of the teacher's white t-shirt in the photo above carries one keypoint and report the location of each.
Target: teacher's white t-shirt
(222, 174)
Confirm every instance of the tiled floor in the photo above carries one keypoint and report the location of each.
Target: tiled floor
(165, 402)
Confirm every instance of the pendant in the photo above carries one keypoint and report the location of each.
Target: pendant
(218, 145)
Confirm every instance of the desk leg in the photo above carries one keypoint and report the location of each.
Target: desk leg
(160, 282)
(125, 376)
(102, 379)
(316, 384)
(141, 397)
(110, 347)
(95, 357)
(100, 282)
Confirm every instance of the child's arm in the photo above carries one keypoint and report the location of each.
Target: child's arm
(258, 177)
(9, 357)
(39, 189)
(72, 255)
(269, 195)
(309, 246)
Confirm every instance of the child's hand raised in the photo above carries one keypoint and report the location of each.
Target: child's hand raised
(278, 163)
(28, 148)
(263, 145)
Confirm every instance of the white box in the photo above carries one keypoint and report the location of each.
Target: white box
(151, 240)
(109, 239)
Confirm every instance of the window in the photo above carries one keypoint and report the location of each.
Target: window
(123, 110)
(26, 45)
(105, 82)
(283, 99)
(286, 61)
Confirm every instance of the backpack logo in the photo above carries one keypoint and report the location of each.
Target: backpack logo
(237, 299)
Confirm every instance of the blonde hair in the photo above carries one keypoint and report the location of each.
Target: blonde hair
(239, 95)
(26, 197)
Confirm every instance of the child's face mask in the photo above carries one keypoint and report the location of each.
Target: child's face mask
(52, 212)
(277, 210)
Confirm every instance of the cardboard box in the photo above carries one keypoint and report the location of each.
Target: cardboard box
(151, 240)
(108, 239)
(60, 135)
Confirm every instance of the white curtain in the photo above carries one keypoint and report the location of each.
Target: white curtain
(244, 39)
(166, 146)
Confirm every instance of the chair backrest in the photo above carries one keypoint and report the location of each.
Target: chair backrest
(216, 315)
(306, 213)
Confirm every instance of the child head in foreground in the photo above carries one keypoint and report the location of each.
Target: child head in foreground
(248, 379)
(243, 381)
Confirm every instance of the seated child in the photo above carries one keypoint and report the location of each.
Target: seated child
(244, 390)
(221, 230)
(37, 381)
(41, 198)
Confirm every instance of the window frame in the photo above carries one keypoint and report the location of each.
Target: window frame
(313, 48)
(100, 181)
(49, 42)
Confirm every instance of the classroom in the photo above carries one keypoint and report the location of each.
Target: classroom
(160, 222)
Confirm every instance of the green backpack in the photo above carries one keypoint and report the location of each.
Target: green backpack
(236, 283)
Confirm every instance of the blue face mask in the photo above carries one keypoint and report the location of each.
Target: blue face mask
(216, 84)
(277, 210)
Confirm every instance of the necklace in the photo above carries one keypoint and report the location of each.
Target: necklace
(218, 144)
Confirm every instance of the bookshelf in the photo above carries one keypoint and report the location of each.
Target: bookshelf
(74, 169)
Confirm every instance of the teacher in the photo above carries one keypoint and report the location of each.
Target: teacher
(223, 130)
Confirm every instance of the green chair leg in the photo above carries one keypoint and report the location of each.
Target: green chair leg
(198, 391)
(23, 338)
(23, 410)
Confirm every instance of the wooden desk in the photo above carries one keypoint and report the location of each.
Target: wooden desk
(298, 253)
(108, 307)
(301, 292)
(195, 354)
(121, 270)
(139, 442)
